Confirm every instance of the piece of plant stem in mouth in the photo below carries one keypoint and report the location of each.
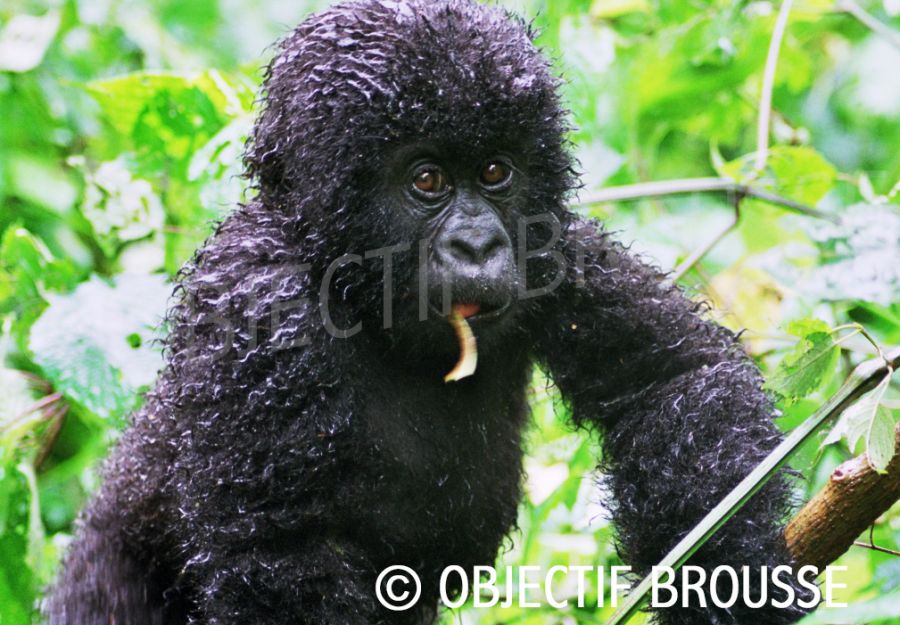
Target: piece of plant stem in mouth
(468, 347)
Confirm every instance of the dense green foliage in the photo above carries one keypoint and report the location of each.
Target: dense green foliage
(121, 127)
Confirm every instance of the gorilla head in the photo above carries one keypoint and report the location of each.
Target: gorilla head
(430, 126)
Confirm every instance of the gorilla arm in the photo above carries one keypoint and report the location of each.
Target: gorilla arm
(681, 410)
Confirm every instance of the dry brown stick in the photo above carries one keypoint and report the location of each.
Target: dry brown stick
(853, 499)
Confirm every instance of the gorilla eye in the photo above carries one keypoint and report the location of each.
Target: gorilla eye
(495, 174)
(430, 181)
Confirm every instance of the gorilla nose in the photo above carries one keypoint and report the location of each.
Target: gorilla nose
(474, 248)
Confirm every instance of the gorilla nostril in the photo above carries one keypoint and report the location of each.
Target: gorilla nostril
(475, 250)
(463, 250)
(493, 246)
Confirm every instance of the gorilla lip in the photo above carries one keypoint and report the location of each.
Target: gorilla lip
(474, 311)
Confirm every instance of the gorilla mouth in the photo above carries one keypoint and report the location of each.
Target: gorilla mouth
(468, 310)
(460, 317)
(475, 311)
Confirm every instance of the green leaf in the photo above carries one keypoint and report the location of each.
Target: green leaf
(880, 440)
(17, 583)
(26, 258)
(809, 365)
(797, 172)
(167, 116)
(28, 271)
(867, 420)
(84, 342)
(126, 99)
(882, 321)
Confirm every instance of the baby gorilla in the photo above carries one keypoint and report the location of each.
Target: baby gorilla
(410, 159)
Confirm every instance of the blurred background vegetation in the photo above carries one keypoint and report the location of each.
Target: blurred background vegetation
(121, 128)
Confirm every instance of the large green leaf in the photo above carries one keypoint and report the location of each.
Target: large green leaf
(94, 345)
(166, 116)
(127, 99)
(868, 420)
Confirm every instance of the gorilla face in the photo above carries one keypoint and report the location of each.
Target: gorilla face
(464, 210)
(400, 138)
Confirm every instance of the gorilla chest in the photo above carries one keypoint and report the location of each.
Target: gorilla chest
(449, 466)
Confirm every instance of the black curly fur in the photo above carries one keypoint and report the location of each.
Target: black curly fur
(267, 481)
